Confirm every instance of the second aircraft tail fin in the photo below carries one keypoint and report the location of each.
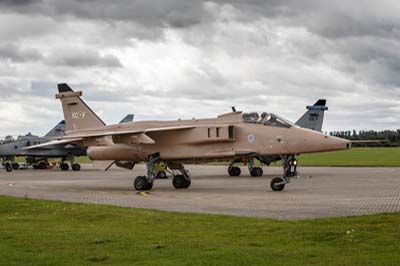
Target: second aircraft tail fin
(57, 131)
(127, 119)
(314, 117)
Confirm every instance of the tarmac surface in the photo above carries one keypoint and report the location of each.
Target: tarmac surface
(321, 192)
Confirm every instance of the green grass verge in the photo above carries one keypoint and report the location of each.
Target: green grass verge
(34, 232)
(373, 157)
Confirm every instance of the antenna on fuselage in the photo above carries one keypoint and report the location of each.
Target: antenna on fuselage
(233, 109)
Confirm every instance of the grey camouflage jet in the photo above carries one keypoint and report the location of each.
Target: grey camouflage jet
(11, 147)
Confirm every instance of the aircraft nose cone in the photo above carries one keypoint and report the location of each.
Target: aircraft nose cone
(319, 142)
(338, 143)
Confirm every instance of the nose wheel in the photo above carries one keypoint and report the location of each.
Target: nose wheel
(277, 184)
(289, 163)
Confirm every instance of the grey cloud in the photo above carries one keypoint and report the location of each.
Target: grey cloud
(323, 17)
(175, 13)
(17, 54)
(82, 58)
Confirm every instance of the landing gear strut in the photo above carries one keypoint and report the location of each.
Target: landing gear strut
(289, 163)
(146, 182)
(180, 180)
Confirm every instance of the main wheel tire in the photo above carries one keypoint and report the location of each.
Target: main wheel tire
(64, 166)
(8, 167)
(15, 166)
(275, 186)
(180, 181)
(42, 165)
(256, 171)
(234, 171)
(76, 167)
(141, 183)
(162, 175)
(188, 182)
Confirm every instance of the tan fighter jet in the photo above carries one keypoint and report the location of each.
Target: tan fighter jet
(226, 138)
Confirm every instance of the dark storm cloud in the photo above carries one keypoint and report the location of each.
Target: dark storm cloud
(17, 54)
(82, 58)
(323, 17)
(175, 13)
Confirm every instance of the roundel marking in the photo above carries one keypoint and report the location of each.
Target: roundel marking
(251, 138)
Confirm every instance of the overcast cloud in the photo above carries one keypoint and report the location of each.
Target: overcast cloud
(189, 58)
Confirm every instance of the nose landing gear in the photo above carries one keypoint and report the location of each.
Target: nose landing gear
(289, 163)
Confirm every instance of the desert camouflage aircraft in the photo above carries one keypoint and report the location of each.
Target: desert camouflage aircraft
(225, 138)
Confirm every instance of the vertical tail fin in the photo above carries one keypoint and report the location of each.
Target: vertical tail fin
(314, 117)
(77, 114)
(57, 131)
(127, 119)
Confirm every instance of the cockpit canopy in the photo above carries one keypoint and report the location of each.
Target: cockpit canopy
(267, 119)
(7, 139)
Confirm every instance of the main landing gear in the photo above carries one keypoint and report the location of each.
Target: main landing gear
(9, 164)
(254, 170)
(289, 163)
(74, 166)
(181, 180)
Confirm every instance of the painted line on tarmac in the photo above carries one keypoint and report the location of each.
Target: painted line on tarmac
(143, 193)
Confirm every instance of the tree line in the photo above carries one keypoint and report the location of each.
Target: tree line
(372, 138)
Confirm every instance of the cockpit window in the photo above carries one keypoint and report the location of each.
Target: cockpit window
(251, 117)
(8, 139)
(267, 119)
(275, 121)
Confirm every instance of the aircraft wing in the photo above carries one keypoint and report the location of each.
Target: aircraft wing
(132, 136)
(51, 143)
(128, 132)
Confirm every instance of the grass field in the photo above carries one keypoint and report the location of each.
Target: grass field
(34, 232)
(387, 157)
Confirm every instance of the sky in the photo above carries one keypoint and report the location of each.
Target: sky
(170, 59)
